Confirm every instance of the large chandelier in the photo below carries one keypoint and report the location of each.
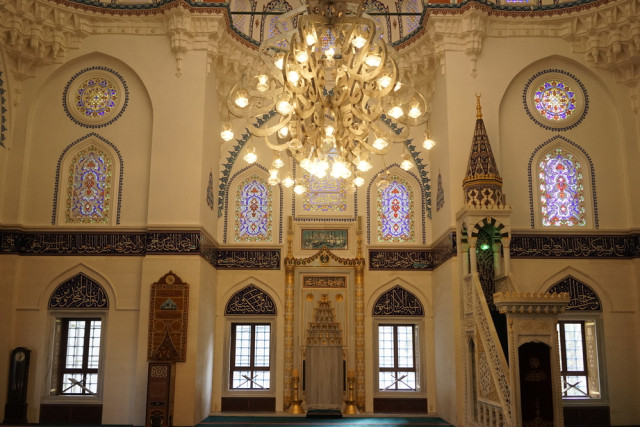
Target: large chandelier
(328, 94)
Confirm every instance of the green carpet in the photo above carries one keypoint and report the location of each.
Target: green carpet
(294, 421)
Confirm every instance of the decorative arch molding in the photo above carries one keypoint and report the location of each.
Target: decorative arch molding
(606, 303)
(399, 283)
(500, 229)
(242, 173)
(3, 110)
(548, 145)
(409, 176)
(250, 300)
(80, 292)
(76, 145)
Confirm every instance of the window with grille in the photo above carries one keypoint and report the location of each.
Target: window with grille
(78, 361)
(250, 356)
(397, 358)
(578, 359)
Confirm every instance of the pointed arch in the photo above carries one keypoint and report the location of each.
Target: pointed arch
(397, 301)
(582, 296)
(565, 185)
(89, 177)
(79, 292)
(250, 300)
(406, 217)
(264, 204)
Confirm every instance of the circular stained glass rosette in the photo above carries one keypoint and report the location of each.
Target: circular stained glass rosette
(95, 97)
(555, 100)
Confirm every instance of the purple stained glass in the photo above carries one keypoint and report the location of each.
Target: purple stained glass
(555, 100)
(90, 185)
(562, 196)
(253, 210)
(395, 212)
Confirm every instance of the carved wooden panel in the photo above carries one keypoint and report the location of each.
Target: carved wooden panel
(168, 319)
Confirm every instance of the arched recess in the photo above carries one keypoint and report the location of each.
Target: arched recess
(273, 204)
(557, 277)
(416, 207)
(73, 166)
(520, 136)
(52, 130)
(585, 194)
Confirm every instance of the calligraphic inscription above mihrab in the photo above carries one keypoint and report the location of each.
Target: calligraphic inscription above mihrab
(324, 282)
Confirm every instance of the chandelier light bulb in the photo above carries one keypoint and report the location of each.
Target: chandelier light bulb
(302, 56)
(373, 60)
(299, 189)
(320, 173)
(277, 161)
(406, 163)
(358, 180)
(284, 107)
(279, 62)
(250, 156)
(384, 81)
(363, 165)
(358, 41)
(414, 111)
(263, 84)
(310, 38)
(227, 131)
(323, 165)
(328, 130)
(396, 112)
(428, 143)
(283, 132)
(306, 164)
(380, 144)
(397, 87)
(242, 98)
(288, 181)
(330, 53)
(273, 177)
(293, 76)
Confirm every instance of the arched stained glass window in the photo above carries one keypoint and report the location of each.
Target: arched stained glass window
(89, 186)
(253, 210)
(562, 192)
(395, 212)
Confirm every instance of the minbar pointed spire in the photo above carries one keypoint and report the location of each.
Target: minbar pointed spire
(482, 184)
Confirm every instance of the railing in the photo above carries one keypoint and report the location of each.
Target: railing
(489, 414)
(496, 413)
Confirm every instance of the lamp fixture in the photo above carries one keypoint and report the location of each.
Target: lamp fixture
(324, 92)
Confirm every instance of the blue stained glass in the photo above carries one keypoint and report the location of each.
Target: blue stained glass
(395, 212)
(562, 190)
(253, 210)
(90, 184)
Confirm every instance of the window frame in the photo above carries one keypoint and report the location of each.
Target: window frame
(599, 372)
(230, 359)
(58, 353)
(418, 359)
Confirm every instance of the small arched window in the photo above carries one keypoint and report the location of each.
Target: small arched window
(561, 185)
(396, 222)
(90, 186)
(254, 207)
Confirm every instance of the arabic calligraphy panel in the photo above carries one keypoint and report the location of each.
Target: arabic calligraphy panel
(324, 282)
(250, 300)
(583, 298)
(397, 301)
(79, 292)
(333, 239)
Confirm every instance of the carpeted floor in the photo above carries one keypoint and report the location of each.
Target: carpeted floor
(295, 421)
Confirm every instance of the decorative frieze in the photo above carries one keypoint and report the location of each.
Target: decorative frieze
(530, 302)
(575, 246)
